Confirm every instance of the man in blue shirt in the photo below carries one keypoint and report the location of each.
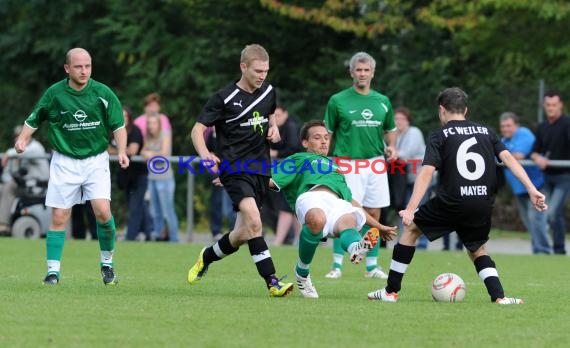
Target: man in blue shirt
(519, 141)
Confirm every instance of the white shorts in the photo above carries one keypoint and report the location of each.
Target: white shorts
(333, 207)
(73, 181)
(370, 186)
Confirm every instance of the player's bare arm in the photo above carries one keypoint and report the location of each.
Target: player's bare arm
(121, 140)
(421, 185)
(24, 138)
(199, 142)
(537, 198)
(391, 151)
(386, 232)
(273, 132)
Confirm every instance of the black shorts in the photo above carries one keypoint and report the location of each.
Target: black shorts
(471, 221)
(283, 204)
(244, 185)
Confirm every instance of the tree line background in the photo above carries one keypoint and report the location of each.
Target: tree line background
(496, 50)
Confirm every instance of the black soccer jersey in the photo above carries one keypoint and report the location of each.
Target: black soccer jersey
(464, 153)
(241, 120)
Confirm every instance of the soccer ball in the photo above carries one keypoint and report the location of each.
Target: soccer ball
(448, 287)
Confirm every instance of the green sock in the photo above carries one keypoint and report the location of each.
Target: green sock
(106, 232)
(54, 249)
(338, 253)
(373, 253)
(364, 229)
(349, 236)
(308, 244)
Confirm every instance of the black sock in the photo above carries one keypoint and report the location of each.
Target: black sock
(219, 250)
(401, 258)
(488, 273)
(262, 258)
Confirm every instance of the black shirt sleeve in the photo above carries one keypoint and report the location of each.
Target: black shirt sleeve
(432, 155)
(212, 111)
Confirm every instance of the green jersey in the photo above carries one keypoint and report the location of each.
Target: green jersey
(300, 172)
(359, 122)
(79, 121)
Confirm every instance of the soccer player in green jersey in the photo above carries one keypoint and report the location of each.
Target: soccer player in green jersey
(362, 113)
(80, 113)
(323, 204)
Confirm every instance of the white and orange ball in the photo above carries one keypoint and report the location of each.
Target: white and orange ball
(448, 287)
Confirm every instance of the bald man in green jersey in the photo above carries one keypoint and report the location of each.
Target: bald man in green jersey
(323, 204)
(80, 113)
(361, 113)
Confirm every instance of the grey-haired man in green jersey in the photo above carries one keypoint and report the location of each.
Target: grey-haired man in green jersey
(80, 113)
(360, 119)
(323, 203)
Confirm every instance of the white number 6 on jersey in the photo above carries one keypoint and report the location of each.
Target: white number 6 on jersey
(463, 156)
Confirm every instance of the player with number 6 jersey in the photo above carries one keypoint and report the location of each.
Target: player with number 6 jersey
(458, 150)
(464, 153)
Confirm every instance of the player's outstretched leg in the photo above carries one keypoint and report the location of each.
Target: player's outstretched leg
(359, 250)
(308, 243)
(215, 252)
(485, 267)
(372, 268)
(401, 258)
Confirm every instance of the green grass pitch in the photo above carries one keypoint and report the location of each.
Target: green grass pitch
(153, 306)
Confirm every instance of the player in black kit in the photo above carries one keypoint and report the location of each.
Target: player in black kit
(464, 153)
(242, 114)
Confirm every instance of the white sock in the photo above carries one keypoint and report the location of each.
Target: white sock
(53, 266)
(106, 257)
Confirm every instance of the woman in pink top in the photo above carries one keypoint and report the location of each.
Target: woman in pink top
(152, 106)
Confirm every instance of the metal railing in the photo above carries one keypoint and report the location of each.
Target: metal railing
(172, 159)
(191, 180)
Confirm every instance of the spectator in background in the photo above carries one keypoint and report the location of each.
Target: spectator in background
(220, 202)
(152, 106)
(161, 186)
(290, 143)
(519, 141)
(553, 143)
(25, 166)
(134, 181)
(79, 213)
(410, 145)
